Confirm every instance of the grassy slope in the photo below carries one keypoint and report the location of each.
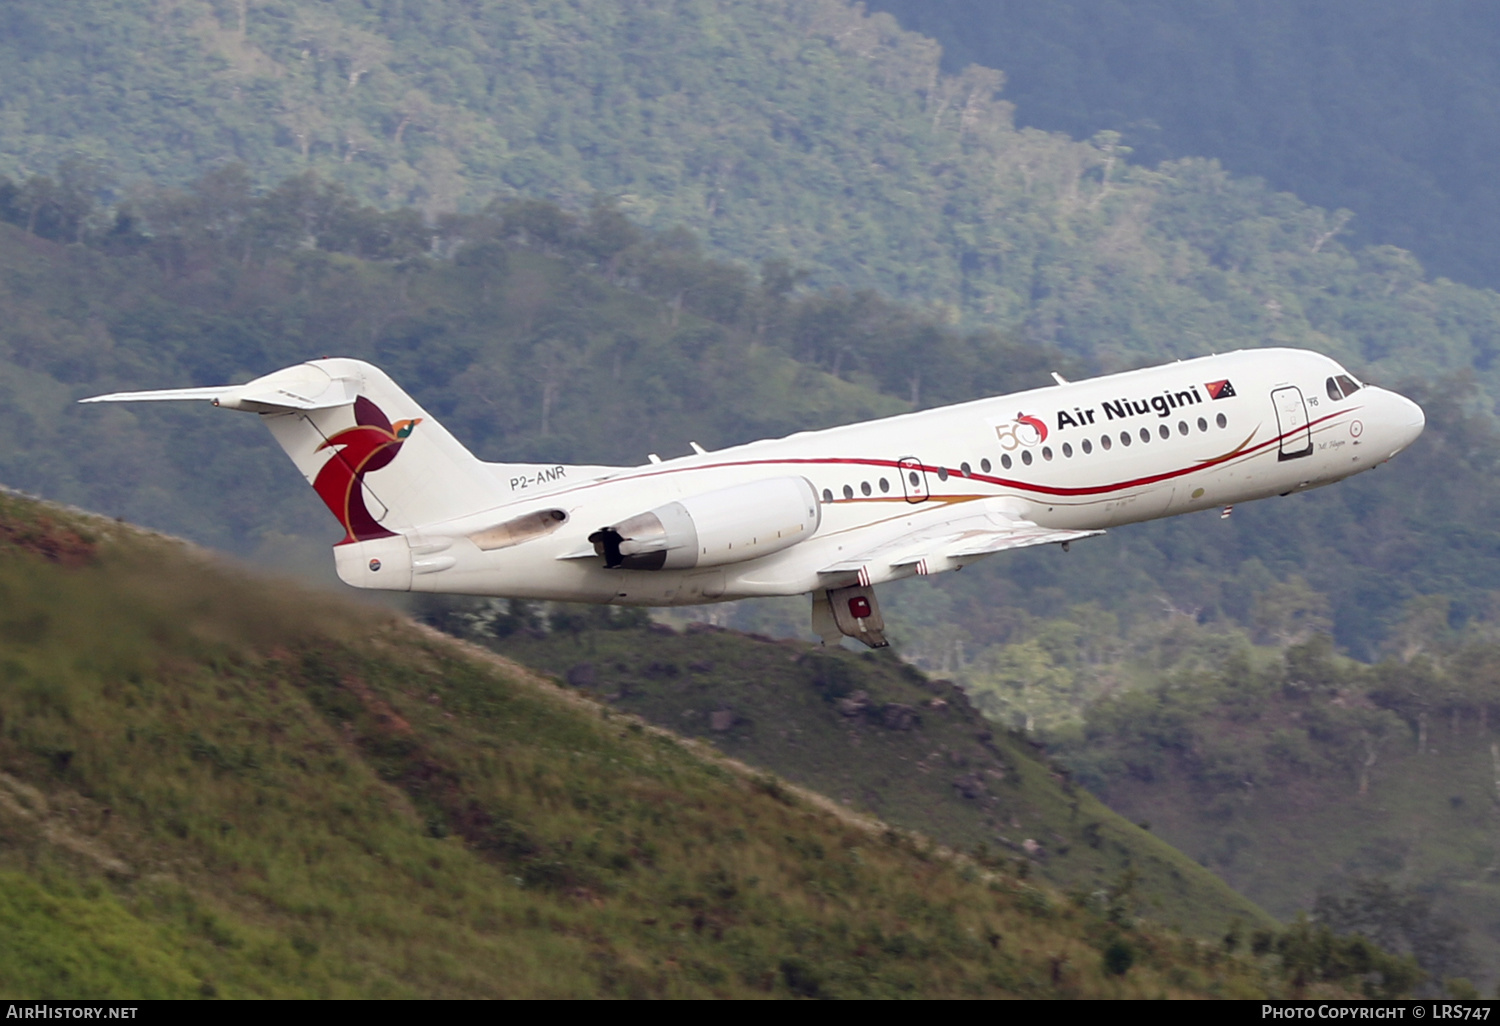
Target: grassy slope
(784, 703)
(214, 785)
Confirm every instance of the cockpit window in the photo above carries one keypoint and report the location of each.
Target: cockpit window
(1342, 387)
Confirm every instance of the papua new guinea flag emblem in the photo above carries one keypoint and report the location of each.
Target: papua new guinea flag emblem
(1220, 389)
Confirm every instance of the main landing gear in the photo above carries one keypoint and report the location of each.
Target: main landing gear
(838, 612)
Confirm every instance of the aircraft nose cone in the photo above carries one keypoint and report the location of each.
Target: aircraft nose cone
(1408, 420)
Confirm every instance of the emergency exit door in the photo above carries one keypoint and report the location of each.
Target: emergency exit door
(913, 478)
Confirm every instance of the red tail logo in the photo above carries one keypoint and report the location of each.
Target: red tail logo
(371, 444)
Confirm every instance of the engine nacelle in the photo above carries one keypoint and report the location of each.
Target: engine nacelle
(730, 525)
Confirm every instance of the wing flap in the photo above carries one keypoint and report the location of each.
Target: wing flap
(949, 544)
(999, 541)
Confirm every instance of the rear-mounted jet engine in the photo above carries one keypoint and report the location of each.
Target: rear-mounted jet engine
(730, 525)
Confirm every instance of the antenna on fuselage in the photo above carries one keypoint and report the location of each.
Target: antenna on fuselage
(1059, 378)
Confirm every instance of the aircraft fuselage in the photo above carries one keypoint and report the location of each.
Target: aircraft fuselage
(1080, 456)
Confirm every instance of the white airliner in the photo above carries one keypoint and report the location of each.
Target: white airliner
(832, 512)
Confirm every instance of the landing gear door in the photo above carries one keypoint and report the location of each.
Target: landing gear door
(913, 478)
(1291, 421)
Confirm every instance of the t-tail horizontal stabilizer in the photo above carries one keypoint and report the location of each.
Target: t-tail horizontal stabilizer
(386, 469)
(303, 387)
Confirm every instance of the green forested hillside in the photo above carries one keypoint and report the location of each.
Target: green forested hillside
(1384, 108)
(1306, 779)
(527, 338)
(536, 334)
(805, 131)
(212, 785)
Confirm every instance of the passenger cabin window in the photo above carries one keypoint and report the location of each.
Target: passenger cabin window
(942, 473)
(984, 465)
(1026, 456)
(1067, 450)
(827, 495)
(1005, 462)
(1125, 438)
(1164, 431)
(848, 492)
(1088, 446)
(885, 485)
(1105, 443)
(1145, 434)
(1221, 420)
(966, 470)
(864, 487)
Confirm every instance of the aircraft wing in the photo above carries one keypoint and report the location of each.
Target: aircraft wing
(949, 544)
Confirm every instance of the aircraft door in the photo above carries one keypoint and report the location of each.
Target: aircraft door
(1291, 419)
(913, 478)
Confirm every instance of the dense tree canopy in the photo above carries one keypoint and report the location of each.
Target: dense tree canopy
(536, 333)
(1383, 107)
(805, 132)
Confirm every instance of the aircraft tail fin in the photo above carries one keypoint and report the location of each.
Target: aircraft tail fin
(381, 463)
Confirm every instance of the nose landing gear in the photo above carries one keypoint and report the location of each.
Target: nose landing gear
(852, 612)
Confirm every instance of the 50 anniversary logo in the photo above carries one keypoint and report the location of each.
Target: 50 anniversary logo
(1024, 430)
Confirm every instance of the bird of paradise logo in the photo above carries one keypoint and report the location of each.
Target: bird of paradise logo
(371, 444)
